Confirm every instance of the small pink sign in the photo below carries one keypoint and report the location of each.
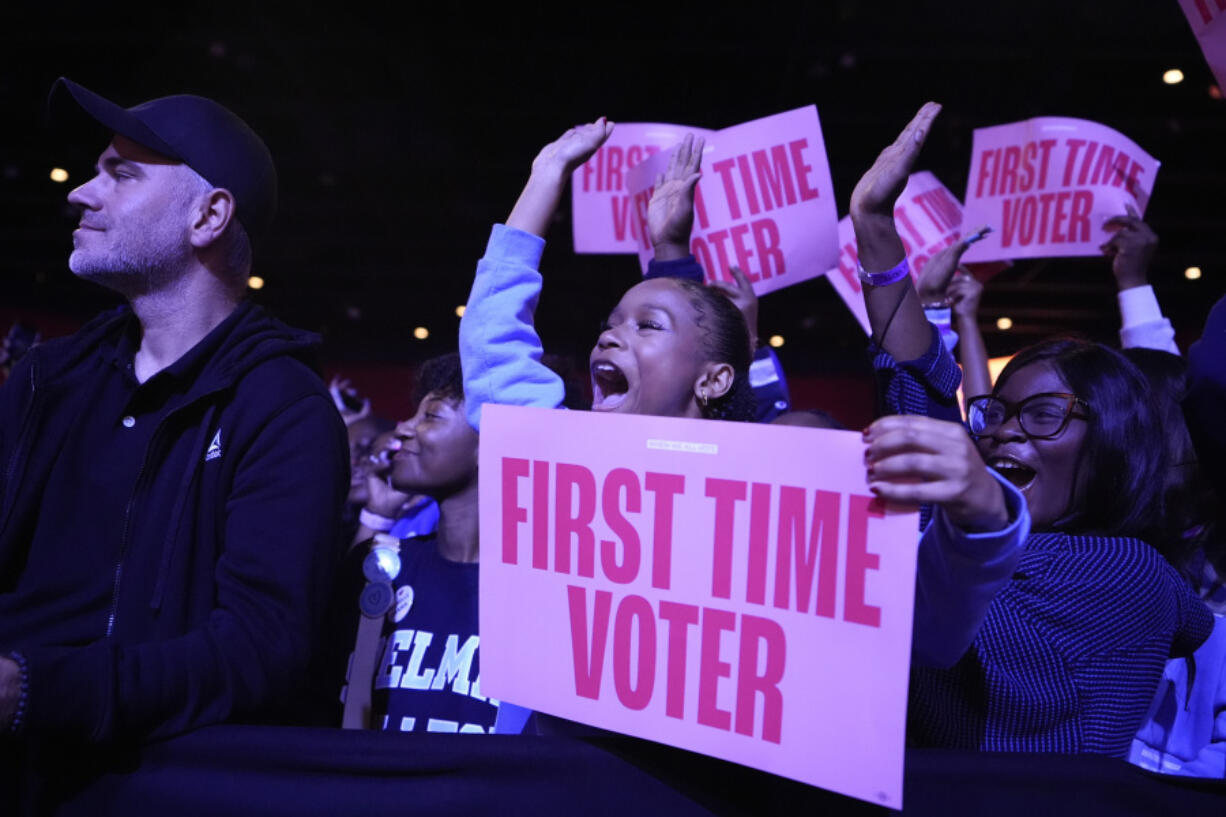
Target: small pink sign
(603, 220)
(728, 588)
(1046, 186)
(928, 218)
(1208, 21)
(765, 202)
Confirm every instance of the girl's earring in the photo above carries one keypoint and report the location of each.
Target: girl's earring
(702, 398)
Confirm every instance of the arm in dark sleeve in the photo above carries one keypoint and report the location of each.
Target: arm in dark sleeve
(281, 521)
(1203, 406)
(927, 385)
(957, 576)
(686, 267)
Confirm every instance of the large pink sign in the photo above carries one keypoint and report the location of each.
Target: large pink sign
(928, 218)
(765, 202)
(603, 220)
(1208, 21)
(1046, 186)
(729, 588)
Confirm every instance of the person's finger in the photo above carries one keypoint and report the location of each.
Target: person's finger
(893, 422)
(690, 181)
(917, 465)
(733, 292)
(916, 131)
(1118, 223)
(742, 280)
(904, 440)
(696, 154)
(680, 157)
(919, 493)
(1132, 211)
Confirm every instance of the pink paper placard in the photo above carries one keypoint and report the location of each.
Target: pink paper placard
(928, 218)
(1208, 21)
(728, 588)
(1046, 186)
(765, 202)
(603, 220)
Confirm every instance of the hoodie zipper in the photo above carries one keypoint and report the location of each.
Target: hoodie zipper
(123, 541)
(136, 492)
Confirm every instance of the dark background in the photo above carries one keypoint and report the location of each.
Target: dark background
(400, 136)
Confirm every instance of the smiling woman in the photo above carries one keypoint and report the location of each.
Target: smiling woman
(1094, 473)
(1072, 648)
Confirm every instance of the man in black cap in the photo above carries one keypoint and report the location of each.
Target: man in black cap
(172, 476)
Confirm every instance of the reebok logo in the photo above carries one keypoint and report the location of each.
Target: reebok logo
(214, 451)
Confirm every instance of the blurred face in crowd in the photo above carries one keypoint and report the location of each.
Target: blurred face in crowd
(649, 356)
(136, 215)
(437, 453)
(1046, 471)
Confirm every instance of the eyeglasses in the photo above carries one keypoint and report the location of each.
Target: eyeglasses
(1041, 416)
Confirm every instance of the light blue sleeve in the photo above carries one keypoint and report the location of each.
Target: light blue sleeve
(958, 575)
(500, 351)
(1185, 730)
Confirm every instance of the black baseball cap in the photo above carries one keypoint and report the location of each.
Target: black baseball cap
(198, 132)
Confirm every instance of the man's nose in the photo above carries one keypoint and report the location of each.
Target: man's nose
(83, 195)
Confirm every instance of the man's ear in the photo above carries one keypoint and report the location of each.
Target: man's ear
(212, 216)
(714, 381)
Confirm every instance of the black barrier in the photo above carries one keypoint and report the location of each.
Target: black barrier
(300, 772)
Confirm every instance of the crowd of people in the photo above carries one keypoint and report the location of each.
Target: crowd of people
(184, 531)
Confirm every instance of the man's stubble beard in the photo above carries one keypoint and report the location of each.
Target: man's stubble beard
(137, 267)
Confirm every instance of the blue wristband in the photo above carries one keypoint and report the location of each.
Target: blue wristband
(890, 276)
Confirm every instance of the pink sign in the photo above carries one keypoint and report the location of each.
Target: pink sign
(603, 219)
(728, 588)
(764, 204)
(928, 218)
(1208, 21)
(1046, 186)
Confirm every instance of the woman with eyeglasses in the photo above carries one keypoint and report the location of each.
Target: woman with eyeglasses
(1071, 650)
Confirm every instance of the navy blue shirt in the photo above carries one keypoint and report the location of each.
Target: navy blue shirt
(429, 675)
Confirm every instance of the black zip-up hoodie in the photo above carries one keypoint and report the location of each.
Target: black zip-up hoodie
(213, 614)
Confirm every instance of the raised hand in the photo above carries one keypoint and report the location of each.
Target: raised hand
(915, 460)
(348, 401)
(963, 293)
(1131, 249)
(670, 213)
(384, 499)
(746, 300)
(895, 317)
(881, 186)
(573, 148)
(934, 278)
(551, 170)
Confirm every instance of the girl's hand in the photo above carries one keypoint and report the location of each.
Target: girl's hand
(914, 460)
(670, 213)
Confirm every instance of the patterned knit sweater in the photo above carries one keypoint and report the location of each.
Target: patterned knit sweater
(1069, 655)
(1072, 650)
